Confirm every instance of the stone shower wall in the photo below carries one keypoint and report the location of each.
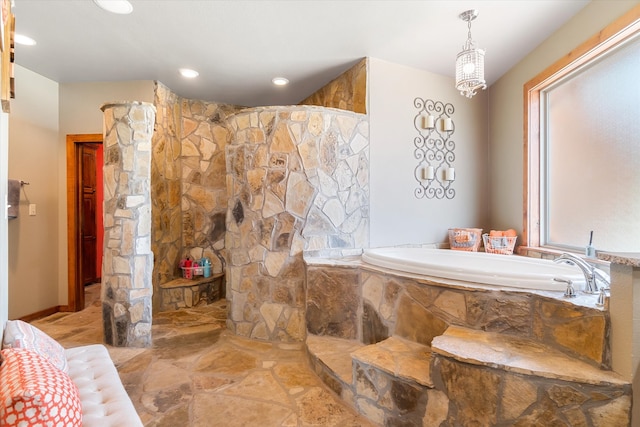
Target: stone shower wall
(127, 259)
(166, 191)
(347, 92)
(204, 194)
(297, 180)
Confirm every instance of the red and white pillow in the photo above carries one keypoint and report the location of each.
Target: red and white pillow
(33, 392)
(19, 334)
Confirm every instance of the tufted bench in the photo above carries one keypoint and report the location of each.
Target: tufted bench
(105, 402)
(41, 383)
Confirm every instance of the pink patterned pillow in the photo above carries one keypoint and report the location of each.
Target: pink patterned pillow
(19, 334)
(34, 392)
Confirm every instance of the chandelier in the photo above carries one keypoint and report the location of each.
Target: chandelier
(470, 62)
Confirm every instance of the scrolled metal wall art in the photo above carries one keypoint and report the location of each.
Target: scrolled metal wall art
(434, 149)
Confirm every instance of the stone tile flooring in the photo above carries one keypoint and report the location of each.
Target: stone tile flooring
(198, 374)
(91, 294)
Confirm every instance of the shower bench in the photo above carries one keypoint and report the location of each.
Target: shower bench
(181, 293)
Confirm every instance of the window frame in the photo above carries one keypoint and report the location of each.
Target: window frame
(619, 31)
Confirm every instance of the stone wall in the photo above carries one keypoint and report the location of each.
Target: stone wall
(347, 92)
(204, 193)
(127, 259)
(188, 187)
(369, 306)
(166, 191)
(297, 179)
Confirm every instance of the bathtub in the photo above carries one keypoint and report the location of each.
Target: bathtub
(478, 267)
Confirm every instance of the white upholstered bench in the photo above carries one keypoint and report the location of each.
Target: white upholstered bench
(105, 402)
(37, 378)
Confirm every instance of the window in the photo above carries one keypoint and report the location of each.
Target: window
(583, 145)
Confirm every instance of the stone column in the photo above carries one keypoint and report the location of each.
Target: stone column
(128, 261)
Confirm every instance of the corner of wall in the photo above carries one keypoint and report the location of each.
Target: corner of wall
(348, 91)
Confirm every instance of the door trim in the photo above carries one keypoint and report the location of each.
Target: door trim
(75, 298)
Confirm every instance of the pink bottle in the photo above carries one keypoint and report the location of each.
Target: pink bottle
(188, 270)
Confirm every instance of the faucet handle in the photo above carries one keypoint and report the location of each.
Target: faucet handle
(570, 292)
(602, 297)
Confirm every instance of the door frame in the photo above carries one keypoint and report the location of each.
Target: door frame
(75, 299)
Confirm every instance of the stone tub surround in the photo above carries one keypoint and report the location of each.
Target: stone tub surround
(524, 383)
(297, 179)
(128, 260)
(397, 303)
(532, 357)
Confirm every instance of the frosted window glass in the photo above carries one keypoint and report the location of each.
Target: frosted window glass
(593, 155)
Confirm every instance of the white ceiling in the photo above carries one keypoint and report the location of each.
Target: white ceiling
(239, 46)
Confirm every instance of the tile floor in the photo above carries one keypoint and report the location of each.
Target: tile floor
(198, 374)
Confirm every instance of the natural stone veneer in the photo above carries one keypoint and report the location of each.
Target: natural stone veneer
(204, 139)
(347, 92)
(127, 260)
(486, 396)
(297, 179)
(166, 171)
(420, 309)
(188, 186)
(477, 356)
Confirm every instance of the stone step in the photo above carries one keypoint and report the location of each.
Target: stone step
(335, 354)
(401, 358)
(518, 355)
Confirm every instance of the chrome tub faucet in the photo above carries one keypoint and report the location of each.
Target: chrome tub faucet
(592, 275)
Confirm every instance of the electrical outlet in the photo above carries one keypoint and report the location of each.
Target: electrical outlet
(32, 209)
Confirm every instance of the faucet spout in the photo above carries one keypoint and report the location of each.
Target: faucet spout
(591, 274)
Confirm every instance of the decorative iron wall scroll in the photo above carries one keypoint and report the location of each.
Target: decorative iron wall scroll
(434, 149)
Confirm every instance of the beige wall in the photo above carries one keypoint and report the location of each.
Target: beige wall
(42, 115)
(33, 148)
(4, 275)
(506, 108)
(80, 113)
(397, 216)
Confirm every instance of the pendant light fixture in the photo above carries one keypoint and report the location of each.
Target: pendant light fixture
(470, 62)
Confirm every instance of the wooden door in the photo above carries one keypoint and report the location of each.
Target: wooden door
(75, 216)
(88, 226)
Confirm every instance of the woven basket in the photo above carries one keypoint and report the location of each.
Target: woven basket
(465, 239)
(499, 244)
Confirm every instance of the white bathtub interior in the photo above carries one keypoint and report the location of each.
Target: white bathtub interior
(477, 267)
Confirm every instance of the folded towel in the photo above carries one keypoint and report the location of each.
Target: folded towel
(13, 198)
(462, 237)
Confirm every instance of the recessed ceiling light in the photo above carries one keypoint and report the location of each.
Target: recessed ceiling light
(24, 40)
(188, 73)
(280, 81)
(121, 7)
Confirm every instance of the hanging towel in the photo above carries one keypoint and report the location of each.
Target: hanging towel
(13, 198)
